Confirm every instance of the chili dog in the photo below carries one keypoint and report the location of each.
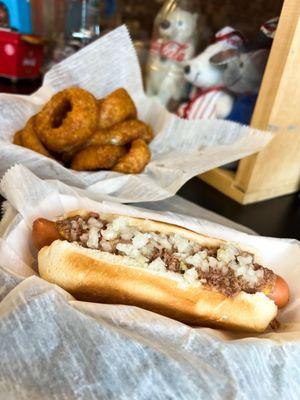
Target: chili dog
(161, 267)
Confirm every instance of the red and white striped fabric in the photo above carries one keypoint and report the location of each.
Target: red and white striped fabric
(269, 27)
(230, 38)
(203, 105)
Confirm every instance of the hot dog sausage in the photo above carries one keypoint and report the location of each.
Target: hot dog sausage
(44, 232)
(280, 294)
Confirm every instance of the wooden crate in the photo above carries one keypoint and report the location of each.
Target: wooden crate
(274, 171)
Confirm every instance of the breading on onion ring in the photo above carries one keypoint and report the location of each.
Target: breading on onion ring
(148, 135)
(122, 133)
(100, 138)
(127, 131)
(67, 120)
(18, 138)
(31, 140)
(97, 157)
(115, 108)
(135, 160)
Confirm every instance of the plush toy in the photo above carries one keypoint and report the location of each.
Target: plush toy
(242, 75)
(228, 77)
(243, 71)
(176, 44)
(210, 99)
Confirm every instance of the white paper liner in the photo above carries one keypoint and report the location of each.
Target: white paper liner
(125, 352)
(181, 149)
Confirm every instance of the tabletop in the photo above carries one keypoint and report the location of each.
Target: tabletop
(279, 217)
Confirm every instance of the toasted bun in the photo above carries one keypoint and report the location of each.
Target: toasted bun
(92, 275)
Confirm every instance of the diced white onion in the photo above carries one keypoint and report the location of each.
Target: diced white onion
(213, 262)
(120, 224)
(182, 244)
(163, 241)
(128, 249)
(198, 261)
(157, 265)
(227, 253)
(140, 240)
(109, 234)
(146, 251)
(128, 234)
(203, 254)
(195, 260)
(93, 239)
(106, 246)
(95, 222)
(204, 266)
(245, 260)
(191, 275)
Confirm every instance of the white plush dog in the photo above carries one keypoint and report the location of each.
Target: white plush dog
(210, 99)
(176, 45)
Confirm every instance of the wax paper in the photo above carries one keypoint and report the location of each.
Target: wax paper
(54, 347)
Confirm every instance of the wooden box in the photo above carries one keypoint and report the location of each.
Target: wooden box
(274, 171)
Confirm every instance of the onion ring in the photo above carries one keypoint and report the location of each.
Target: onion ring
(123, 133)
(67, 120)
(30, 139)
(135, 160)
(94, 158)
(115, 108)
(18, 138)
(101, 137)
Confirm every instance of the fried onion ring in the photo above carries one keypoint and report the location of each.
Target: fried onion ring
(97, 157)
(67, 120)
(115, 108)
(123, 133)
(101, 137)
(31, 140)
(127, 131)
(18, 138)
(148, 134)
(135, 160)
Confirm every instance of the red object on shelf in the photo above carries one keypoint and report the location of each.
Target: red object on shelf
(21, 55)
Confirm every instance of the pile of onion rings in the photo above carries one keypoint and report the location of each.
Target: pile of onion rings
(89, 134)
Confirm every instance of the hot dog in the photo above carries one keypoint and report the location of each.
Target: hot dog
(164, 268)
(44, 232)
(280, 293)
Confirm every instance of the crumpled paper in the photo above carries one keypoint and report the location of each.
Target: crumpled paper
(54, 347)
(181, 149)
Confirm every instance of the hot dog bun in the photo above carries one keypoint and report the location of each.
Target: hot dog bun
(93, 275)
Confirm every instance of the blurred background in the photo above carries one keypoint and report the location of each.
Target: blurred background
(56, 21)
(36, 34)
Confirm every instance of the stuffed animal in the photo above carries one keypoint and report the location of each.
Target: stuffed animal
(211, 99)
(176, 44)
(243, 71)
(242, 75)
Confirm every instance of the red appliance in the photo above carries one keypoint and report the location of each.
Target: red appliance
(21, 55)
